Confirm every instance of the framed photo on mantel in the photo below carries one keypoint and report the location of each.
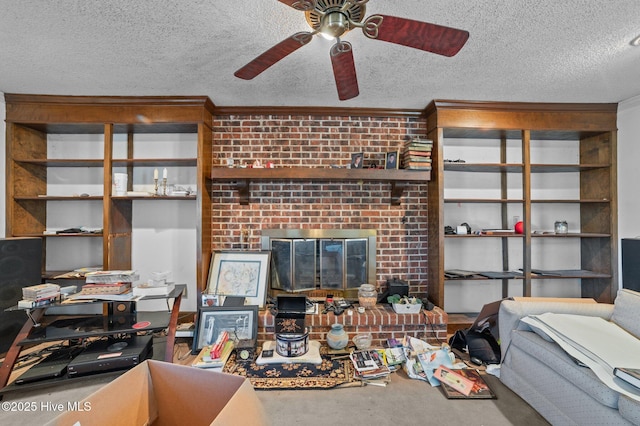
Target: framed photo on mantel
(391, 160)
(356, 160)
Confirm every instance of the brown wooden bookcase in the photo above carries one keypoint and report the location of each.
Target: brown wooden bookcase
(32, 119)
(530, 127)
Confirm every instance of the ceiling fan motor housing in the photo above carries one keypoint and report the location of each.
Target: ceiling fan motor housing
(329, 14)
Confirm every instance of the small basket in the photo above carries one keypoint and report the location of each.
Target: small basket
(405, 308)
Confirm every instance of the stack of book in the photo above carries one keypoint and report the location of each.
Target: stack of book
(108, 282)
(207, 359)
(370, 364)
(39, 295)
(417, 154)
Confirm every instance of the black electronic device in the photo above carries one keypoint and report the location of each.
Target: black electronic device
(394, 286)
(122, 313)
(54, 365)
(20, 266)
(246, 349)
(631, 263)
(111, 354)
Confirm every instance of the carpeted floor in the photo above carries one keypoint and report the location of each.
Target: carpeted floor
(402, 401)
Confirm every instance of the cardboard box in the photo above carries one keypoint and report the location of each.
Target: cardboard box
(161, 393)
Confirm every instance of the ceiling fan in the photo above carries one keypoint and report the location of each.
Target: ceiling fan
(333, 18)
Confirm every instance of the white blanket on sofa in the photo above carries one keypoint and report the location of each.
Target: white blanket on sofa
(600, 344)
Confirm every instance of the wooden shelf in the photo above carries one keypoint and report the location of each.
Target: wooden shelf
(504, 139)
(154, 197)
(107, 128)
(482, 200)
(58, 197)
(79, 234)
(50, 162)
(517, 168)
(565, 168)
(243, 177)
(155, 162)
(516, 201)
(483, 167)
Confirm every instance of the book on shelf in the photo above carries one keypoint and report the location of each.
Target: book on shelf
(40, 291)
(416, 159)
(79, 272)
(417, 166)
(153, 290)
(116, 288)
(479, 388)
(204, 359)
(458, 273)
(30, 304)
(420, 143)
(498, 232)
(111, 277)
(629, 375)
(419, 153)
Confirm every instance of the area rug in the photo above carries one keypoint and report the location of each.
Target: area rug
(331, 373)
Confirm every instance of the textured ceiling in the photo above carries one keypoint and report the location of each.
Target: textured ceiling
(535, 51)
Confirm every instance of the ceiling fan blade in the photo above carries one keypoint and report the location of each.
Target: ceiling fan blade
(303, 5)
(273, 55)
(344, 70)
(432, 38)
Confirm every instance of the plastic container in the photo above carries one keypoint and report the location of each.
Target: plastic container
(363, 341)
(367, 296)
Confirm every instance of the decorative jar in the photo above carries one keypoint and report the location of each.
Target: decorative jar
(367, 296)
(337, 338)
(561, 227)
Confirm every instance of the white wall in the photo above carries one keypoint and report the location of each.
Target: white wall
(628, 171)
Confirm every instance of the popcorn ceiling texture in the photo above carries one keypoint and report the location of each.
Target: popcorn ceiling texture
(537, 51)
(305, 141)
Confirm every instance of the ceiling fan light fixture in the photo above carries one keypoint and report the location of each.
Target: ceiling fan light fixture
(333, 25)
(635, 41)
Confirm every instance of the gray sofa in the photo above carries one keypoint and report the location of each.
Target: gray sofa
(542, 374)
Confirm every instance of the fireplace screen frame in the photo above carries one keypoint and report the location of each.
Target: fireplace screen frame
(343, 242)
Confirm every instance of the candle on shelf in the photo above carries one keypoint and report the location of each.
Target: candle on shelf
(164, 173)
(155, 174)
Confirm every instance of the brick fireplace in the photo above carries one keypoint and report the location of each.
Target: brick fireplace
(290, 140)
(382, 322)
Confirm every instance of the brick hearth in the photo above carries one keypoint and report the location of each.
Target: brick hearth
(381, 321)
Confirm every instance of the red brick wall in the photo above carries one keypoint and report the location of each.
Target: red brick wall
(314, 141)
(382, 322)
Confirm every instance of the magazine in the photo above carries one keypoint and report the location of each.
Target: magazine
(479, 390)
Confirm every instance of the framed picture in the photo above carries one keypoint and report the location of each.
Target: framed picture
(239, 322)
(240, 273)
(356, 160)
(391, 160)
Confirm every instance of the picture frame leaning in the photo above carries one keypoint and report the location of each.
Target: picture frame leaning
(240, 322)
(241, 274)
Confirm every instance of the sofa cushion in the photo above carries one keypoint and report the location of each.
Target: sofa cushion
(629, 409)
(557, 359)
(626, 311)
